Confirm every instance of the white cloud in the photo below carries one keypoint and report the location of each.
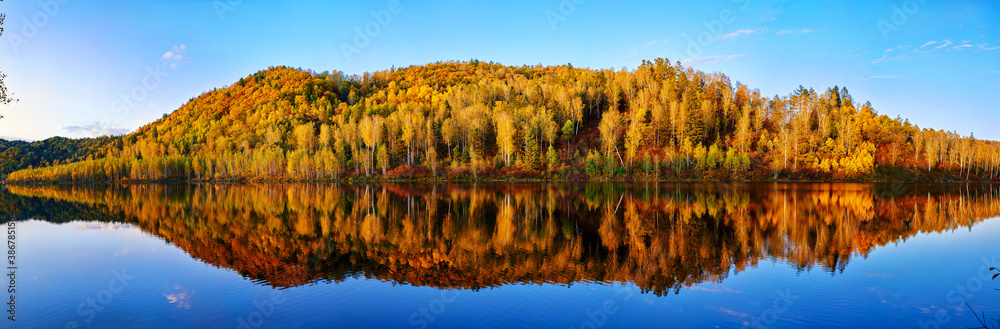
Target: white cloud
(738, 33)
(945, 44)
(925, 45)
(175, 56)
(650, 44)
(798, 31)
(88, 226)
(932, 46)
(928, 46)
(97, 128)
(889, 56)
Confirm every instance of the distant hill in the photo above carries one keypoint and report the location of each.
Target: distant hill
(475, 120)
(17, 155)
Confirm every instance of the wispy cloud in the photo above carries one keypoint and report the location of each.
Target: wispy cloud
(891, 54)
(962, 46)
(925, 45)
(738, 33)
(796, 31)
(709, 60)
(102, 226)
(97, 128)
(930, 46)
(947, 45)
(650, 44)
(732, 312)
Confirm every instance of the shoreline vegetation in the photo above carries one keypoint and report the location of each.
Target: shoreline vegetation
(478, 121)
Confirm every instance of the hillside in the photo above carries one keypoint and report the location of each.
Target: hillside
(476, 120)
(17, 155)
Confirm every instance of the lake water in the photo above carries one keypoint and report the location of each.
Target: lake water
(504, 256)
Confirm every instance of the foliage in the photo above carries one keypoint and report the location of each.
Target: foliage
(17, 155)
(289, 124)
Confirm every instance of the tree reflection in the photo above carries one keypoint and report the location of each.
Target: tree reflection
(660, 237)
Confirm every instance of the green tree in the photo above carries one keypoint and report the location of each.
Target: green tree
(567, 130)
(553, 158)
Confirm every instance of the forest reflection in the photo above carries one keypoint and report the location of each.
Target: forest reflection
(661, 237)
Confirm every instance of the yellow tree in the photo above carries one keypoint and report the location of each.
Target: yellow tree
(505, 135)
(609, 132)
(576, 109)
(305, 137)
(932, 148)
(918, 143)
(448, 133)
(369, 128)
(409, 132)
(633, 137)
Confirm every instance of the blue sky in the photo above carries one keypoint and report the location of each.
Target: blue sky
(85, 68)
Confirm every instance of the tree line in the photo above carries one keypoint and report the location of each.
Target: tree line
(475, 120)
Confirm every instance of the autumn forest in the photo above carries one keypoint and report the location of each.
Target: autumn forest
(485, 121)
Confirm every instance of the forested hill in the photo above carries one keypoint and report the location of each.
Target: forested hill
(16, 155)
(475, 120)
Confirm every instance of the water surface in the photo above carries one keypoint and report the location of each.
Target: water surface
(504, 255)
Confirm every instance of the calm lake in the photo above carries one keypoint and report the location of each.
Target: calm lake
(504, 255)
